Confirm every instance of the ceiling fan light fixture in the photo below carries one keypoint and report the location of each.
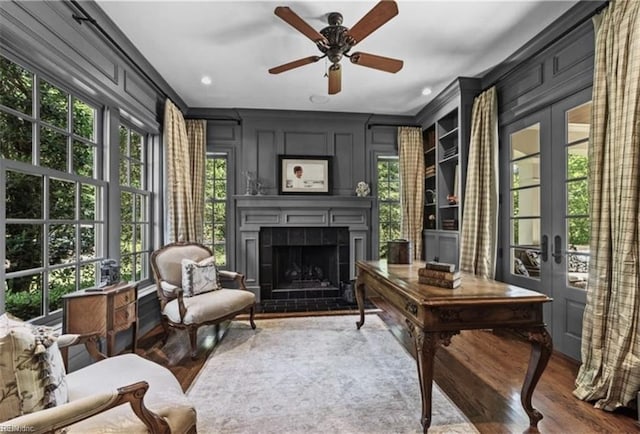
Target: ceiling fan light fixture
(206, 80)
(319, 99)
(426, 91)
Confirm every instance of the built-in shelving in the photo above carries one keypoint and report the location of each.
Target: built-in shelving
(446, 130)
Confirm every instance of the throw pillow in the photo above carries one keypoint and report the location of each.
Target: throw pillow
(32, 374)
(199, 277)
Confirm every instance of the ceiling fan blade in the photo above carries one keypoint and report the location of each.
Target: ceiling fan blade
(335, 79)
(376, 17)
(377, 62)
(294, 20)
(294, 64)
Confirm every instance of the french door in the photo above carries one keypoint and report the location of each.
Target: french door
(545, 211)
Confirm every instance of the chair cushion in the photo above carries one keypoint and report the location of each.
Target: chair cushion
(210, 305)
(164, 397)
(199, 277)
(32, 374)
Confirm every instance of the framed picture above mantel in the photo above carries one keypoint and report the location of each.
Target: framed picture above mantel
(304, 174)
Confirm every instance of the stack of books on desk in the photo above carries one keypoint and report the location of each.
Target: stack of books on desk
(439, 274)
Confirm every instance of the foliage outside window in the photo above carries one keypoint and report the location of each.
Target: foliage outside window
(134, 205)
(389, 212)
(53, 219)
(215, 210)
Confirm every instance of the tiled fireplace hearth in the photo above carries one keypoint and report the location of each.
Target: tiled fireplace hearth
(293, 247)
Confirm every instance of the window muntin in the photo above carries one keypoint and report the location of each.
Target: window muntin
(54, 219)
(389, 211)
(135, 246)
(215, 209)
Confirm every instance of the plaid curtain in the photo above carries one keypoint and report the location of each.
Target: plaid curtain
(182, 221)
(197, 135)
(610, 370)
(479, 235)
(411, 156)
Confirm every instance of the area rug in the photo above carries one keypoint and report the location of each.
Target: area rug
(315, 375)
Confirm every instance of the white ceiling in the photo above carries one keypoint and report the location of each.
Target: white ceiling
(236, 42)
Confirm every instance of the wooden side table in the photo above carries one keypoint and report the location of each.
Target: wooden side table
(106, 311)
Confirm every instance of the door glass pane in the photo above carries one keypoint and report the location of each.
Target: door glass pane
(577, 159)
(525, 172)
(525, 142)
(525, 202)
(579, 122)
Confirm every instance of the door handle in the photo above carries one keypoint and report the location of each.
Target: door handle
(557, 249)
(544, 248)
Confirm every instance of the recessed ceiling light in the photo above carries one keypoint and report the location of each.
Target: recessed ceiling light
(206, 80)
(319, 99)
(426, 91)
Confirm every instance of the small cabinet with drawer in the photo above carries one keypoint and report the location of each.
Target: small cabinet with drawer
(106, 311)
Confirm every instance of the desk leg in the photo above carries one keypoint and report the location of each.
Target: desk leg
(541, 347)
(360, 299)
(426, 345)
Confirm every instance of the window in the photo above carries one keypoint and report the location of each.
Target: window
(53, 217)
(389, 215)
(135, 247)
(215, 209)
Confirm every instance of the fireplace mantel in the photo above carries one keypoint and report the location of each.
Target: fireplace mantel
(258, 211)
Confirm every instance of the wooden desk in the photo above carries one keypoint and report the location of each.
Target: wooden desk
(107, 312)
(434, 315)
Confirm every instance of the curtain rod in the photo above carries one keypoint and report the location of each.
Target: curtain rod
(88, 18)
(548, 44)
(207, 118)
(369, 126)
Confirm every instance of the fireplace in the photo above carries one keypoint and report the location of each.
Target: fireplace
(302, 262)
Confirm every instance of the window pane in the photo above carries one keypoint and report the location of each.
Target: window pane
(124, 173)
(16, 87)
(577, 270)
(83, 159)
(577, 161)
(383, 191)
(220, 189)
(24, 246)
(62, 199)
(24, 196)
(220, 211)
(62, 244)
(219, 233)
(88, 242)
(219, 254)
(126, 239)
(126, 207)
(140, 208)
(54, 105)
(88, 275)
(136, 174)
(526, 262)
(61, 281)
(525, 142)
(126, 269)
(135, 146)
(23, 297)
(53, 149)
(15, 138)
(88, 202)
(84, 120)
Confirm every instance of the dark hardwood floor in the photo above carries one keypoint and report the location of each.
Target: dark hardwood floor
(481, 371)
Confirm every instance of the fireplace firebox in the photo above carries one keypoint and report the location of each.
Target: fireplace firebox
(303, 262)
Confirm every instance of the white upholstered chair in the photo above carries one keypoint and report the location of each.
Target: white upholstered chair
(190, 312)
(122, 394)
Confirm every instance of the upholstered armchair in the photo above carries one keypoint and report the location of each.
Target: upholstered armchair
(190, 308)
(42, 398)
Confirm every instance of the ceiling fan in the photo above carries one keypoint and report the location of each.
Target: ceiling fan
(335, 41)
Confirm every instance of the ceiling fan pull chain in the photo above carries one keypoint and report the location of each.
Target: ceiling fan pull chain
(325, 68)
